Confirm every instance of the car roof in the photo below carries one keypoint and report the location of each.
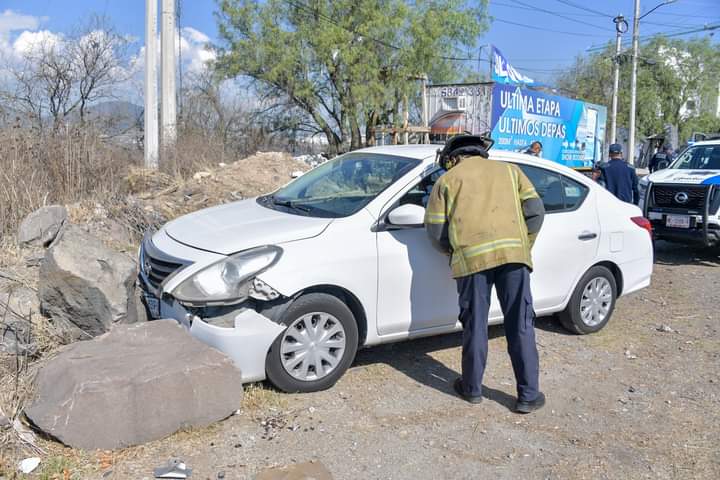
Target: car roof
(427, 153)
(706, 143)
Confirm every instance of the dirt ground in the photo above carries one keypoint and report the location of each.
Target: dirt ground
(637, 400)
(633, 401)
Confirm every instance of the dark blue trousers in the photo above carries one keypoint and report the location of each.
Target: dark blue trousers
(512, 283)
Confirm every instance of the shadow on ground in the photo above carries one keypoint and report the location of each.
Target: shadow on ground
(667, 253)
(413, 358)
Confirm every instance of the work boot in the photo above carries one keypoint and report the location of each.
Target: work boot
(527, 407)
(458, 387)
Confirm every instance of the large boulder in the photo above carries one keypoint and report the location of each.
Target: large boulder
(42, 226)
(138, 383)
(85, 287)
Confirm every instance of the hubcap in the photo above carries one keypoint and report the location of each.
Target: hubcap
(596, 301)
(312, 346)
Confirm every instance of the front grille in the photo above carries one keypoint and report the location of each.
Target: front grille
(158, 270)
(666, 196)
(156, 265)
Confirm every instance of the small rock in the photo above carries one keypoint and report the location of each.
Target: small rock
(631, 389)
(29, 464)
(629, 355)
(42, 226)
(665, 328)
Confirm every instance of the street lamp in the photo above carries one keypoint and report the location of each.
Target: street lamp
(621, 26)
(633, 78)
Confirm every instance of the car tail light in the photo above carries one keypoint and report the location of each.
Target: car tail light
(643, 222)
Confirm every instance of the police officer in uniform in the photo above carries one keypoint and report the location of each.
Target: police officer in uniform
(486, 214)
(619, 177)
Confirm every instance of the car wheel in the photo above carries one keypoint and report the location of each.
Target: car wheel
(592, 302)
(316, 348)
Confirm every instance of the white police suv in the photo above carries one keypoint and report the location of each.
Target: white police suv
(682, 201)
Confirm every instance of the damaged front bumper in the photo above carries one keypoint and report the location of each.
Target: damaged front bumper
(238, 331)
(243, 334)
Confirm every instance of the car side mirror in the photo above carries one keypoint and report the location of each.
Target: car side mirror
(408, 215)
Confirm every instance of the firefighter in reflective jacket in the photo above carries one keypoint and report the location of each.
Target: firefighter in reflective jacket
(485, 215)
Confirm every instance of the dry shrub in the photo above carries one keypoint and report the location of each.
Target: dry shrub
(63, 167)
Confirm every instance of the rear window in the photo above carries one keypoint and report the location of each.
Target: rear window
(558, 192)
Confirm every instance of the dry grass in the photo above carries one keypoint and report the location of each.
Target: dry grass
(257, 397)
(76, 164)
(61, 167)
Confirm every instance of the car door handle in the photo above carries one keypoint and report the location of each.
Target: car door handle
(587, 236)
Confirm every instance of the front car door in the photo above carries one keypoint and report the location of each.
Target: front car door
(416, 290)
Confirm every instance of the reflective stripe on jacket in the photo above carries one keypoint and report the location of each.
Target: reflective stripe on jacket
(484, 213)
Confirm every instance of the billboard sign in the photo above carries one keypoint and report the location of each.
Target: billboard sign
(571, 131)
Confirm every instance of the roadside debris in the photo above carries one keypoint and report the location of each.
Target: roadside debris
(629, 355)
(299, 471)
(665, 328)
(29, 464)
(175, 468)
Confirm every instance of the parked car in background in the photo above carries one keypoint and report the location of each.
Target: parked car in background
(291, 284)
(682, 201)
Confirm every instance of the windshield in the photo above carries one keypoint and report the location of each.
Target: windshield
(699, 157)
(342, 186)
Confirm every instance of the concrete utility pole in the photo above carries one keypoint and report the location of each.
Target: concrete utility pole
(424, 80)
(151, 106)
(621, 26)
(169, 110)
(633, 82)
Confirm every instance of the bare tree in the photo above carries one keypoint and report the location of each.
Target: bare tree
(63, 75)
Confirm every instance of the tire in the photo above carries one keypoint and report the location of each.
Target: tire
(581, 318)
(304, 360)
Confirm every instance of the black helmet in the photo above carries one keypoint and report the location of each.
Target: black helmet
(464, 145)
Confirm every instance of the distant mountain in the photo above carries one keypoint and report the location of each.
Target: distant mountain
(115, 117)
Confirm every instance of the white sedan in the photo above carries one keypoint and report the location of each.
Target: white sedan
(291, 284)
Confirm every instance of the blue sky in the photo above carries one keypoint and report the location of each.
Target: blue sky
(540, 50)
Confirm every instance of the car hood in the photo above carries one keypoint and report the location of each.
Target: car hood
(693, 177)
(233, 227)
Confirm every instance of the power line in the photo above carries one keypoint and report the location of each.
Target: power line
(510, 5)
(558, 14)
(706, 28)
(533, 27)
(581, 7)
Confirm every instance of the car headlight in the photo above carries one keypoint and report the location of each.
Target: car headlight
(227, 280)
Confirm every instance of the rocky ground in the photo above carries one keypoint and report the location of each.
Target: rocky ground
(640, 399)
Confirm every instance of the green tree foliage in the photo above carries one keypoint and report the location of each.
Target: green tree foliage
(346, 65)
(672, 75)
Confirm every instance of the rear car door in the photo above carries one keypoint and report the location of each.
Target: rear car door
(568, 242)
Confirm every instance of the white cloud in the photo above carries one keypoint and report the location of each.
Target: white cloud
(195, 50)
(28, 41)
(11, 21)
(195, 36)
